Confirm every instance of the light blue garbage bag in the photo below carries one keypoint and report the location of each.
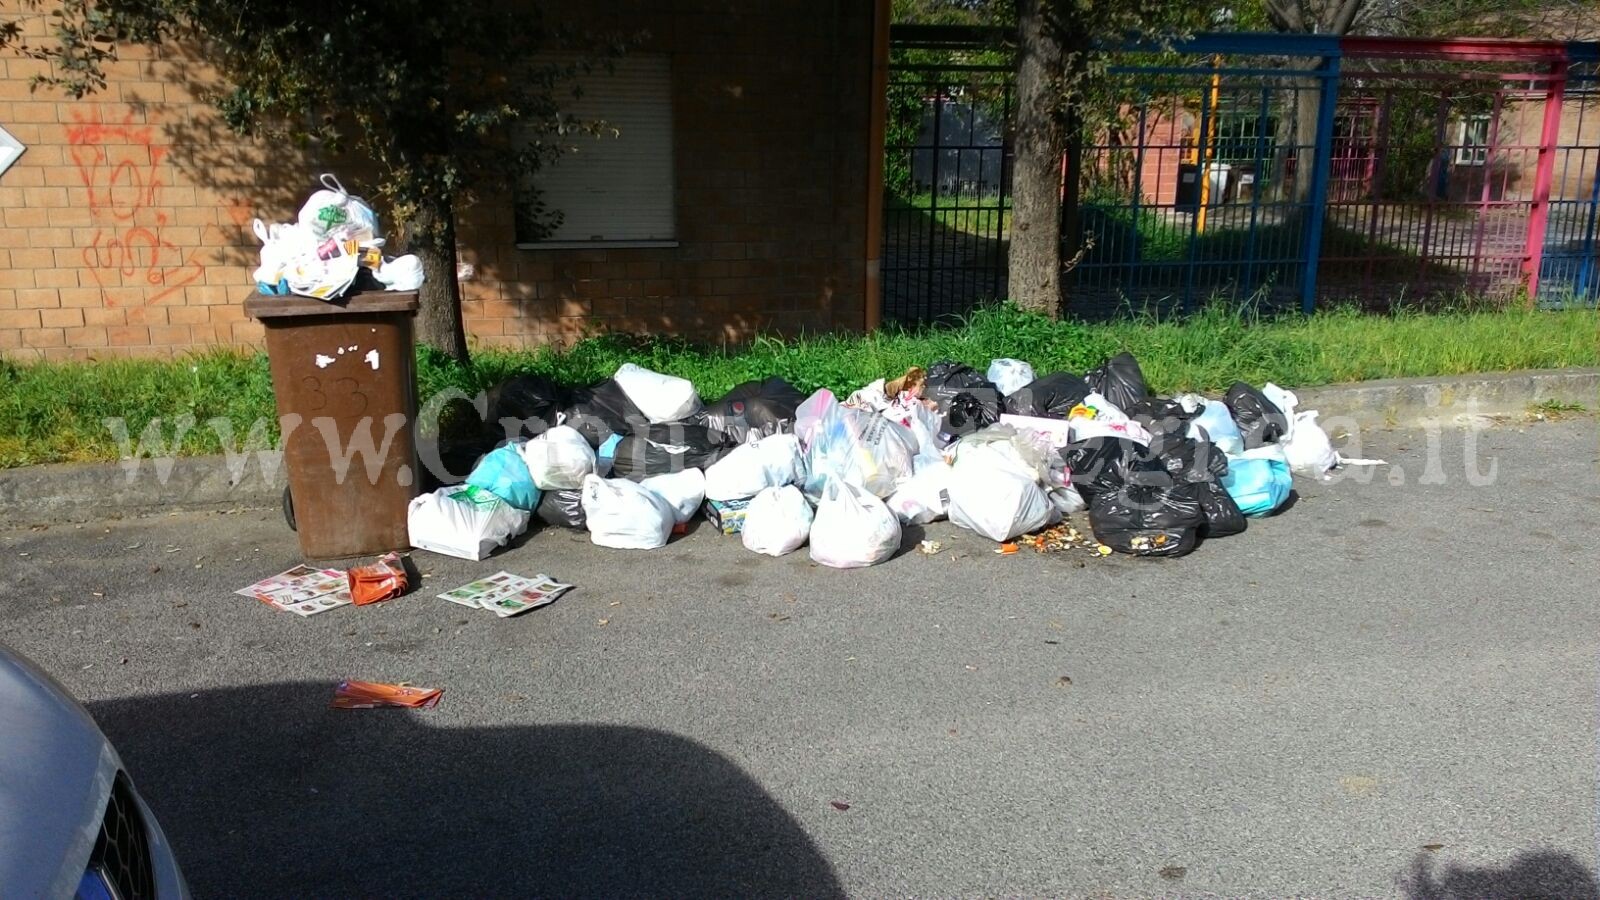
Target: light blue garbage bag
(1220, 428)
(503, 473)
(606, 455)
(1259, 486)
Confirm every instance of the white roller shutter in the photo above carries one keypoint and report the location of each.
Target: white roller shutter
(617, 188)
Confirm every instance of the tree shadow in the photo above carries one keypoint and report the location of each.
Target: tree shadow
(1529, 876)
(941, 264)
(266, 791)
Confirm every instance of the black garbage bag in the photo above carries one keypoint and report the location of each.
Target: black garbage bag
(769, 406)
(727, 429)
(1160, 416)
(601, 410)
(563, 509)
(1148, 519)
(448, 459)
(1260, 420)
(666, 448)
(1223, 517)
(1101, 464)
(531, 402)
(948, 379)
(1052, 396)
(1188, 460)
(967, 413)
(1119, 380)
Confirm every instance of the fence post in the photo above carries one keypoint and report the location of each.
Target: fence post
(1311, 251)
(1539, 213)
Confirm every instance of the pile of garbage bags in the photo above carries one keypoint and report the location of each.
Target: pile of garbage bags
(634, 458)
(333, 248)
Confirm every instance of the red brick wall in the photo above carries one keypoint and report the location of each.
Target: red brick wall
(126, 221)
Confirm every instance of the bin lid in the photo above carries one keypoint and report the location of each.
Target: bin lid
(267, 306)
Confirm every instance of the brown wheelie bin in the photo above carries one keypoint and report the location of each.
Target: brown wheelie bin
(344, 376)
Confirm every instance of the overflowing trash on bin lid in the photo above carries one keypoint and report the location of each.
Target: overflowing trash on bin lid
(1007, 454)
(335, 246)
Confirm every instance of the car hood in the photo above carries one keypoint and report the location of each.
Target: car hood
(56, 773)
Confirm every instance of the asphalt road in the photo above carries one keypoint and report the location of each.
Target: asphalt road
(1389, 690)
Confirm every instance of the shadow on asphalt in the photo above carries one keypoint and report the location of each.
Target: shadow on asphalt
(1529, 876)
(265, 791)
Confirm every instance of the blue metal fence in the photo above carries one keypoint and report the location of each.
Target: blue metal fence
(1290, 170)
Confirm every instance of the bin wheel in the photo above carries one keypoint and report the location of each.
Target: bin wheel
(288, 509)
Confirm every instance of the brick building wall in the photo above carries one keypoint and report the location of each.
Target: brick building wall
(127, 220)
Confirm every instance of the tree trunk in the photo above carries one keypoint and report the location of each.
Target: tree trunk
(1307, 112)
(1040, 141)
(433, 239)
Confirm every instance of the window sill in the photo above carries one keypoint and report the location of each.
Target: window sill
(594, 245)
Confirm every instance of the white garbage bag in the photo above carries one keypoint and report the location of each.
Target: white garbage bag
(862, 448)
(1025, 452)
(852, 528)
(1084, 429)
(624, 515)
(662, 398)
(870, 397)
(923, 499)
(463, 521)
(1307, 446)
(684, 491)
(333, 211)
(1066, 499)
(403, 273)
(777, 521)
(324, 279)
(1098, 408)
(281, 245)
(772, 461)
(559, 459)
(1010, 375)
(1284, 400)
(922, 421)
(998, 502)
(1058, 432)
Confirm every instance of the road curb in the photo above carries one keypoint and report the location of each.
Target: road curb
(1411, 402)
(86, 492)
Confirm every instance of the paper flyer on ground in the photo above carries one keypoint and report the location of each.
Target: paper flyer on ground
(506, 594)
(301, 590)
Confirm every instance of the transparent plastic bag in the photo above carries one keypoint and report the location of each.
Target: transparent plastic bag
(860, 448)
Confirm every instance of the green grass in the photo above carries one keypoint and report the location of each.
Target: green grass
(1151, 237)
(53, 411)
(979, 216)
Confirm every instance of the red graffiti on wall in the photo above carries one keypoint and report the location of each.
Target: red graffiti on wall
(121, 165)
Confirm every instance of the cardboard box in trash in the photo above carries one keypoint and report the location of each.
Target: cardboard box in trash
(727, 516)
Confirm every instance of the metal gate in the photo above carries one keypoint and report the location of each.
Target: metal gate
(1282, 170)
(1569, 273)
(1198, 182)
(947, 173)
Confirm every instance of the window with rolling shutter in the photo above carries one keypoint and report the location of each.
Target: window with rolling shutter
(616, 188)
